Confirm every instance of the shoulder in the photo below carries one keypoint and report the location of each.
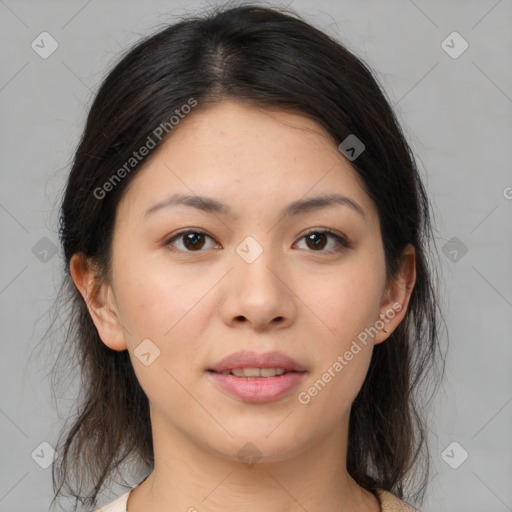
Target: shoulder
(387, 500)
(118, 505)
(391, 503)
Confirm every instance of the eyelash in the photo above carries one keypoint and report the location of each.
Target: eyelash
(343, 242)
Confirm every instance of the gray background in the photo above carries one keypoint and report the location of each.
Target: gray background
(456, 113)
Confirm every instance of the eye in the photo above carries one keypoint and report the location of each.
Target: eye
(316, 237)
(193, 240)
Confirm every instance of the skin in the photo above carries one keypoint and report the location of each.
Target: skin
(201, 305)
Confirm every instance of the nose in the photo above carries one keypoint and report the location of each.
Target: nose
(259, 292)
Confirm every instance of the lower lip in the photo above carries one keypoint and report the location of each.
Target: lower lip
(258, 389)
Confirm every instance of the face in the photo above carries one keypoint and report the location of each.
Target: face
(192, 285)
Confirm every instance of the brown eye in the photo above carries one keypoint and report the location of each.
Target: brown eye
(317, 240)
(191, 240)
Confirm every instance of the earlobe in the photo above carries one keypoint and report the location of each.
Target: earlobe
(397, 296)
(100, 302)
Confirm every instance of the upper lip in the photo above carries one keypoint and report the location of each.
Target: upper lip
(249, 359)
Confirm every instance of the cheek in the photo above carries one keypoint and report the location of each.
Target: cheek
(148, 305)
(168, 311)
(169, 308)
(149, 296)
(347, 304)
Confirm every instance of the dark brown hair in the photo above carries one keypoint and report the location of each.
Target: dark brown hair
(270, 58)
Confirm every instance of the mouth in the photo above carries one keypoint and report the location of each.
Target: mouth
(255, 373)
(256, 364)
(256, 385)
(257, 377)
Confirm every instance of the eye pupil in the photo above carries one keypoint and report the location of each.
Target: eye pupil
(191, 238)
(316, 244)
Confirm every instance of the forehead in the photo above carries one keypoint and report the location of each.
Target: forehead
(247, 157)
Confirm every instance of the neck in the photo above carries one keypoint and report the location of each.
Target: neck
(191, 477)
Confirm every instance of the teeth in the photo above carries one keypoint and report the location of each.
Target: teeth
(255, 372)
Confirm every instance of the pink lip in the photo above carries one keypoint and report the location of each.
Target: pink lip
(258, 389)
(249, 359)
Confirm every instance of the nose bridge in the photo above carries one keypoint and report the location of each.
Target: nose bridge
(254, 259)
(257, 291)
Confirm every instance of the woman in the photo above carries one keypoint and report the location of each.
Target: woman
(245, 234)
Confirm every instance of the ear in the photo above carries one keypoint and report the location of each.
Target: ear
(397, 295)
(100, 301)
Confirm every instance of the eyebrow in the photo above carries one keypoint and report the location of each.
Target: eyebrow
(210, 205)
